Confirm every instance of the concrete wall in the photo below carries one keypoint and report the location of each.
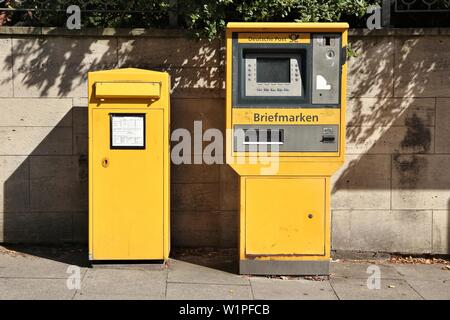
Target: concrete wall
(392, 195)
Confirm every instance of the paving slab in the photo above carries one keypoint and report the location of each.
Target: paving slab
(436, 272)
(357, 270)
(356, 289)
(197, 291)
(34, 289)
(111, 296)
(116, 283)
(431, 290)
(299, 289)
(184, 272)
(42, 273)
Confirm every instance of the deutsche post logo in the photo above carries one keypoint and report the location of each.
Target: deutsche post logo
(270, 37)
(294, 37)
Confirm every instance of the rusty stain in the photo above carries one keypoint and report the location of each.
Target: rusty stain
(83, 168)
(409, 168)
(418, 139)
(418, 136)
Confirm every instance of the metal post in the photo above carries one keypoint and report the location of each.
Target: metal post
(173, 13)
(386, 13)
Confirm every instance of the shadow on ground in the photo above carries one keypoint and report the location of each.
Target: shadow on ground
(66, 253)
(73, 254)
(219, 259)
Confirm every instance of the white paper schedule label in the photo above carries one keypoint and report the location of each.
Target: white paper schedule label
(128, 131)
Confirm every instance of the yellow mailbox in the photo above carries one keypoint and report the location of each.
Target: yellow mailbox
(285, 108)
(129, 112)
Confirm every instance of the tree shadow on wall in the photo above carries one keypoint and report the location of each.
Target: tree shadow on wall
(391, 144)
(45, 189)
(56, 64)
(45, 184)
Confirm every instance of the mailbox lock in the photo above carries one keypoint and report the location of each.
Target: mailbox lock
(310, 215)
(105, 162)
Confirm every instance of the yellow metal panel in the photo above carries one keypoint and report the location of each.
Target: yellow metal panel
(284, 26)
(301, 116)
(127, 89)
(128, 206)
(242, 219)
(285, 216)
(291, 162)
(129, 200)
(287, 37)
(274, 204)
(343, 97)
(321, 167)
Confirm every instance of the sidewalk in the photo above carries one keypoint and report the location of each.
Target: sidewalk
(41, 273)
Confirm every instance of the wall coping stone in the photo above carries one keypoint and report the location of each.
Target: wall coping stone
(180, 33)
(95, 32)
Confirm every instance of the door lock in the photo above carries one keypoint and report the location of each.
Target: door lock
(105, 162)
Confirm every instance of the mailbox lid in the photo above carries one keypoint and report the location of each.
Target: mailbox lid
(277, 220)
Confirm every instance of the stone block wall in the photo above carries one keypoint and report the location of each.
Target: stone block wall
(392, 194)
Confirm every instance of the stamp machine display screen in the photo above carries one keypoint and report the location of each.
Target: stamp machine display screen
(272, 75)
(273, 70)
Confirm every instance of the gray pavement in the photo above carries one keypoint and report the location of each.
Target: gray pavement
(40, 274)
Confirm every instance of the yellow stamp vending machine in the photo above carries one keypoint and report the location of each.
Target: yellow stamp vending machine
(285, 107)
(129, 112)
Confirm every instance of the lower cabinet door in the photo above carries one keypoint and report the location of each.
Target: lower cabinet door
(285, 216)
